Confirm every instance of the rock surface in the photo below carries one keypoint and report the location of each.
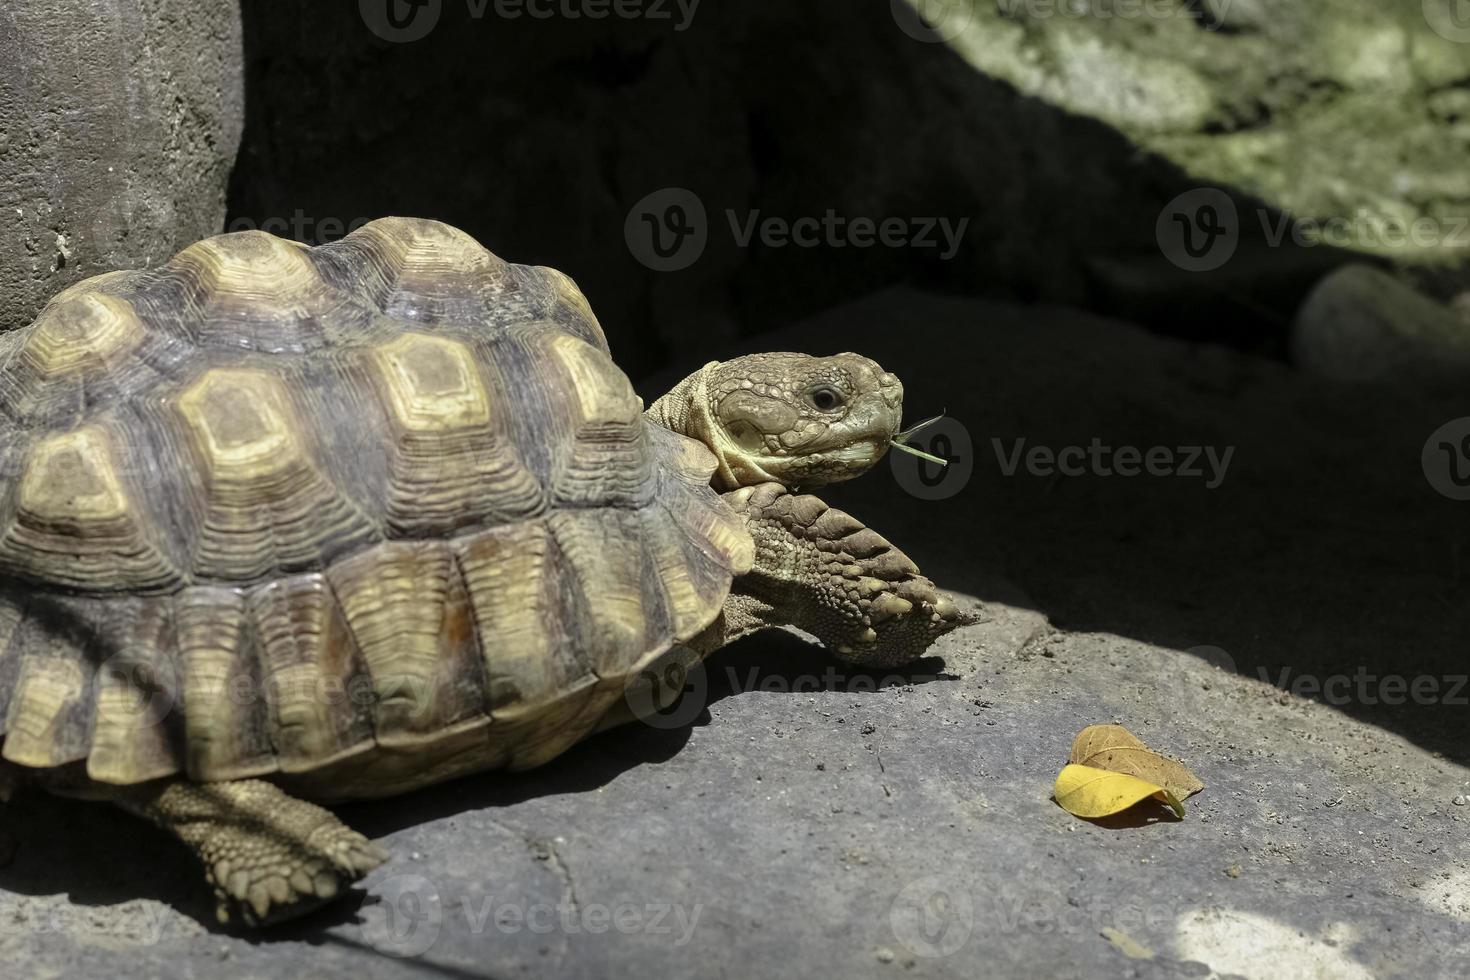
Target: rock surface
(119, 123)
(1362, 323)
(816, 821)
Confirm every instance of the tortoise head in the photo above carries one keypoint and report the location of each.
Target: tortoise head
(794, 419)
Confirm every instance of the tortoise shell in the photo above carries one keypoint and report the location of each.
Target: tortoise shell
(364, 516)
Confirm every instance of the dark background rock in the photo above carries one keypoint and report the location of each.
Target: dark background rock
(1063, 141)
(539, 137)
(119, 122)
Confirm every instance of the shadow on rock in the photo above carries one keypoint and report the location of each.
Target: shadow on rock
(1317, 555)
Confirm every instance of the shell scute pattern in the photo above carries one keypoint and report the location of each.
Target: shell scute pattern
(253, 291)
(366, 514)
(451, 457)
(268, 504)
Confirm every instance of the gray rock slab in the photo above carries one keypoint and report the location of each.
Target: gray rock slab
(811, 820)
(119, 123)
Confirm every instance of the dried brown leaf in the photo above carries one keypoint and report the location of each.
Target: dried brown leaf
(1116, 749)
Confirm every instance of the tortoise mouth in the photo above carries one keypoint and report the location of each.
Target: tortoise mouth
(844, 462)
(867, 451)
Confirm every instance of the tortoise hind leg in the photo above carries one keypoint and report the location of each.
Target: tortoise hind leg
(269, 856)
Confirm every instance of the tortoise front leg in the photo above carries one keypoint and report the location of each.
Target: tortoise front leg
(268, 855)
(822, 571)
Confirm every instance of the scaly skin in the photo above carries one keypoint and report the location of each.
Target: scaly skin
(816, 568)
(268, 855)
(820, 570)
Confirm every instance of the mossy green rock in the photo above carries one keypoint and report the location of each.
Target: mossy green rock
(1322, 108)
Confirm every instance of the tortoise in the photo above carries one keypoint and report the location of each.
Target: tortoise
(284, 524)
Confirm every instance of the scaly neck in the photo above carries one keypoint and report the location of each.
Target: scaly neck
(685, 410)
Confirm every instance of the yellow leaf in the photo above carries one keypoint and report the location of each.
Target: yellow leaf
(1087, 792)
(1116, 749)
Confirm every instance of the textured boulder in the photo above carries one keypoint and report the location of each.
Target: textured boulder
(1349, 111)
(119, 122)
(1362, 323)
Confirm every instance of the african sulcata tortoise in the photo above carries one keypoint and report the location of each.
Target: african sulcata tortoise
(285, 523)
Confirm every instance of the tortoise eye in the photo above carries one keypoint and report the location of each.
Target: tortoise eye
(825, 398)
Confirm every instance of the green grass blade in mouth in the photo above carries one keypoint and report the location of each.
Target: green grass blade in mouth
(919, 453)
(907, 434)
